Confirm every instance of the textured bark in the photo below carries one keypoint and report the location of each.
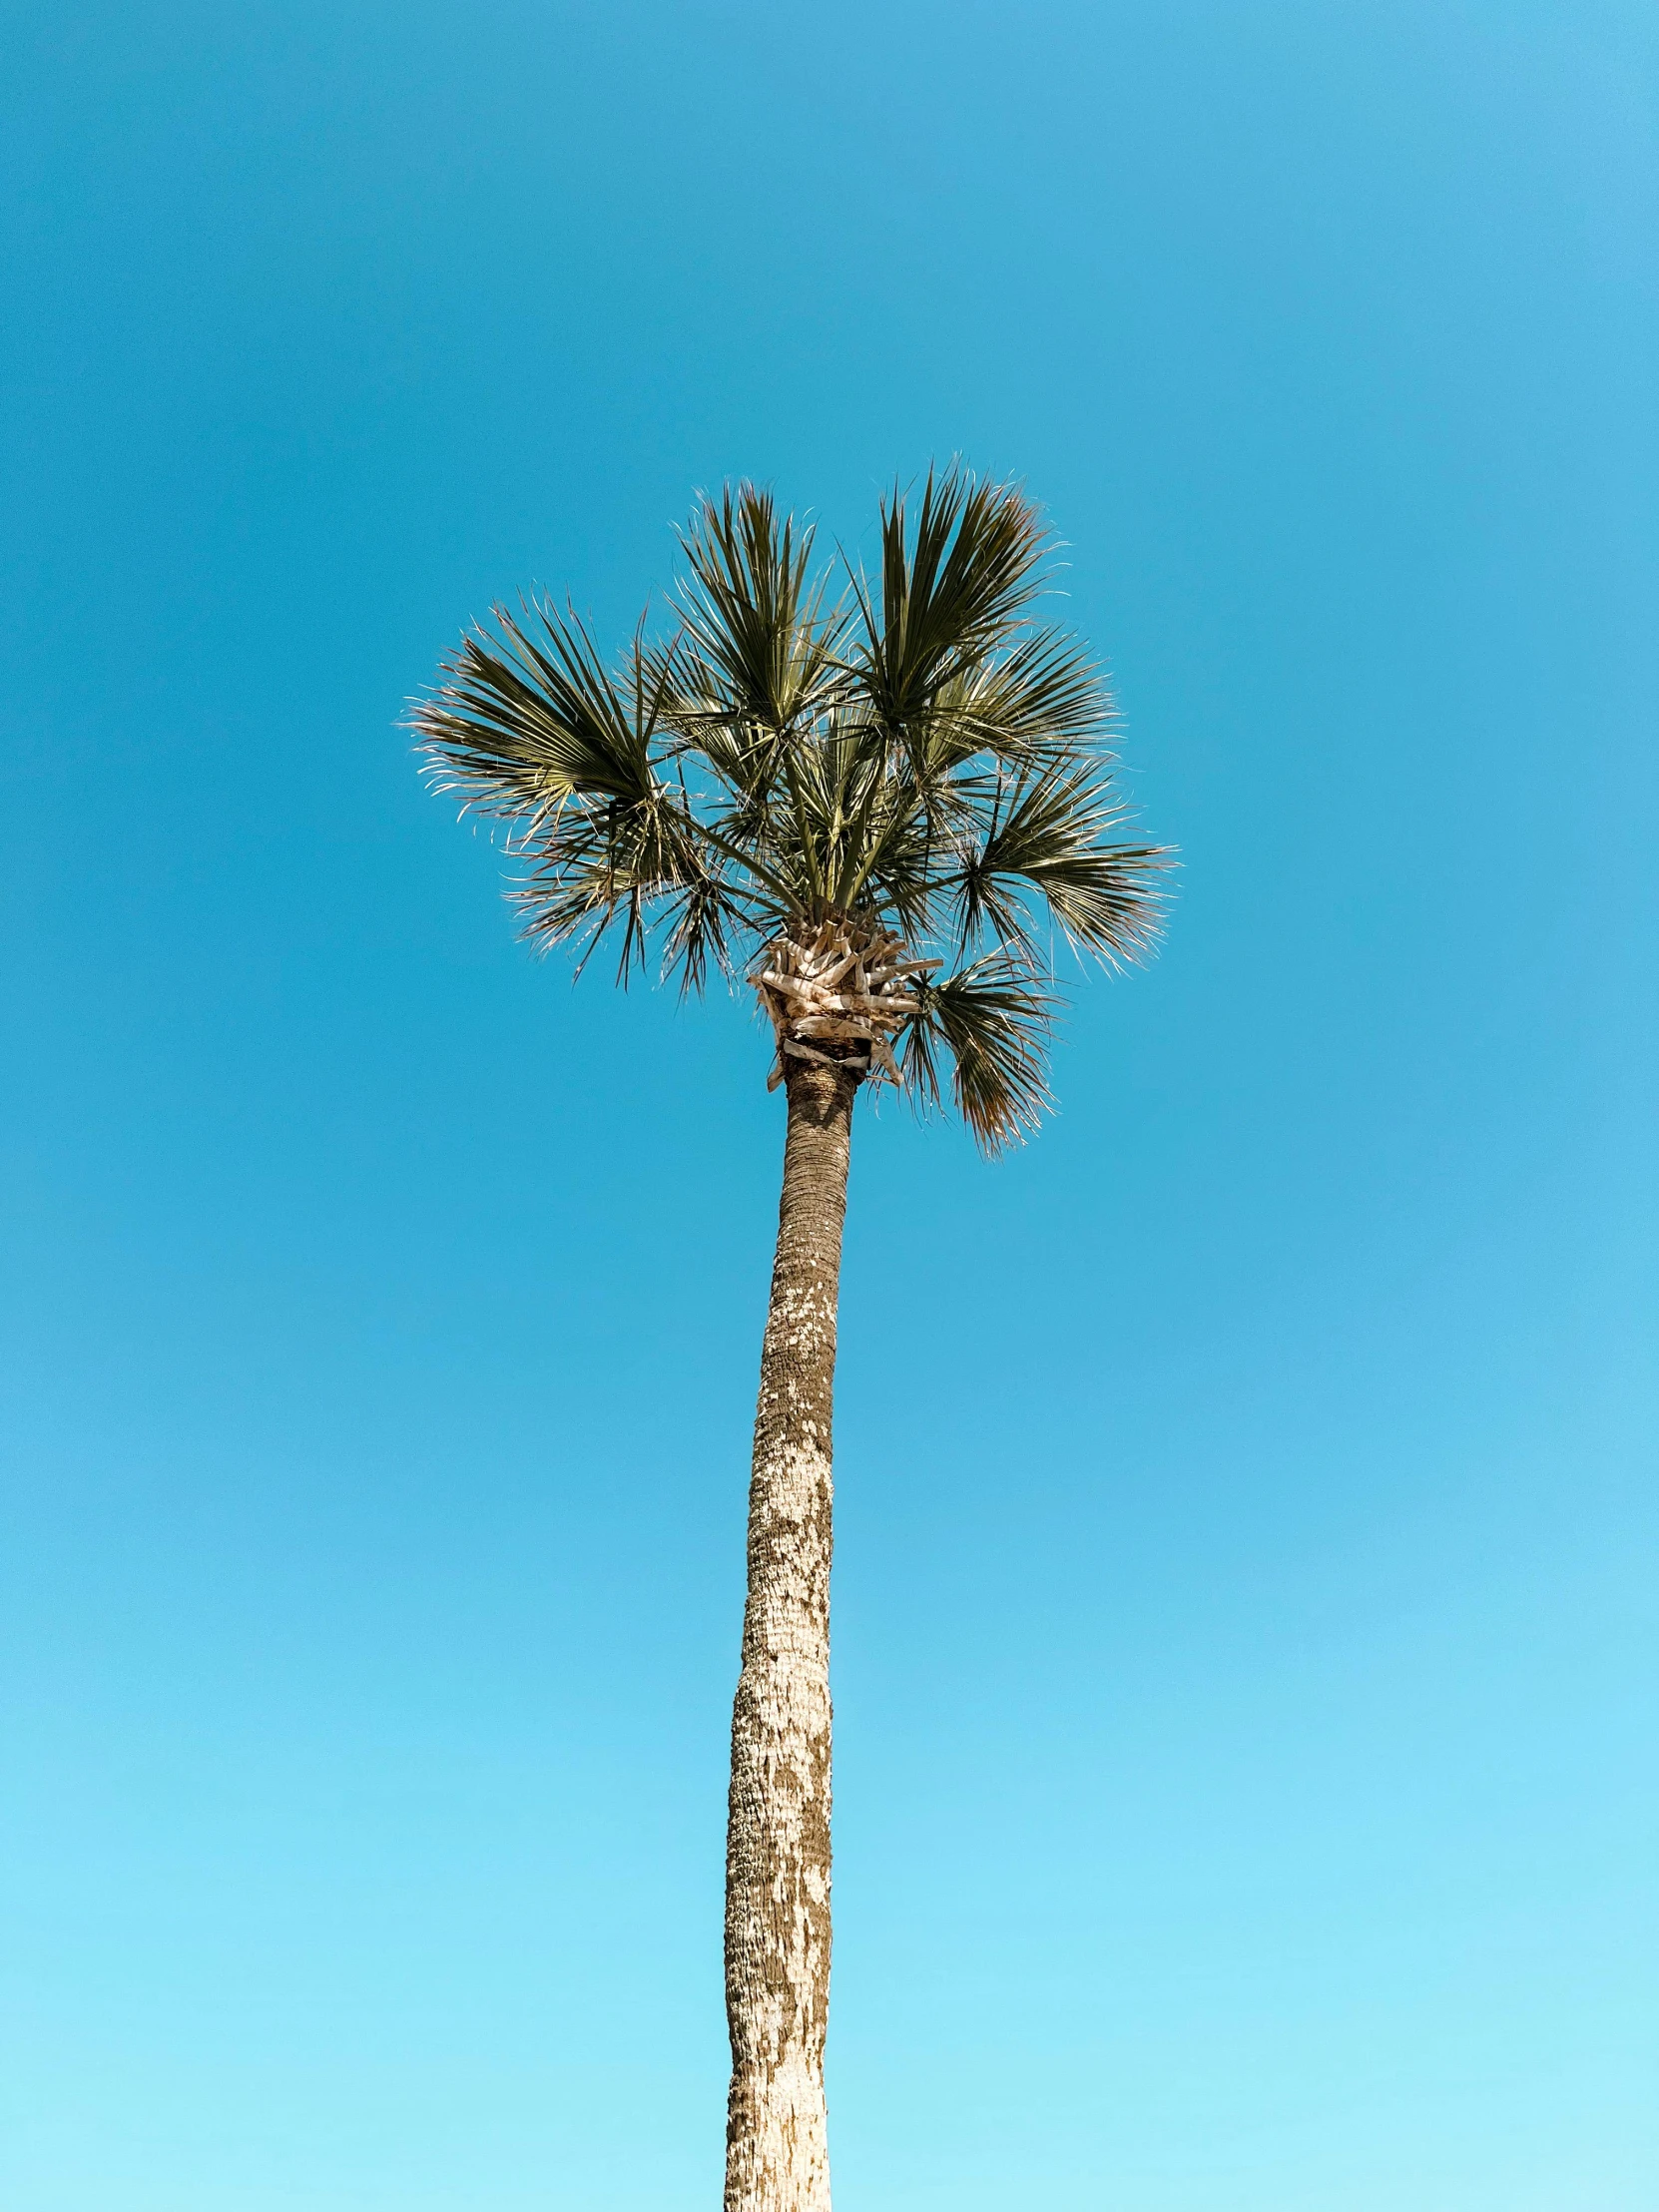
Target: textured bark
(778, 1831)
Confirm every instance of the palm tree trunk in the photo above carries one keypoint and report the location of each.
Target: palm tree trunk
(778, 1828)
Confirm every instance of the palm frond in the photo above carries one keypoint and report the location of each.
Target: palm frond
(523, 719)
(1049, 835)
(994, 1020)
(1045, 696)
(598, 867)
(956, 585)
(758, 649)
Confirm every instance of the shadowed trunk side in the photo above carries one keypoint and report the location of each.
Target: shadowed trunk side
(777, 1829)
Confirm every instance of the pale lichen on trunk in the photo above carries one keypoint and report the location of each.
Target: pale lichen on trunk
(778, 1834)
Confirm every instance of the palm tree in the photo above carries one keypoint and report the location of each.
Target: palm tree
(885, 813)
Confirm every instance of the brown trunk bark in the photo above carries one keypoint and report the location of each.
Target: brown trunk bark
(778, 1829)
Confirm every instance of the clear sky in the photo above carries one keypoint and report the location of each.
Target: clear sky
(1247, 1606)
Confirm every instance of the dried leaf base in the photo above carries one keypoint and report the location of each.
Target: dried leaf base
(846, 984)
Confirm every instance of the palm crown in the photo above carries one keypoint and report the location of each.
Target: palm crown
(897, 802)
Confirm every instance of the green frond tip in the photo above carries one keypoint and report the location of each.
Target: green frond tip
(900, 793)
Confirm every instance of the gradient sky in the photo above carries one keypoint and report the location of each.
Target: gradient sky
(1247, 1606)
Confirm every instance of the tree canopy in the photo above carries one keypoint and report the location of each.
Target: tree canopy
(917, 756)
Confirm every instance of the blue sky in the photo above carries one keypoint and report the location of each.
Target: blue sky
(1245, 1605)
